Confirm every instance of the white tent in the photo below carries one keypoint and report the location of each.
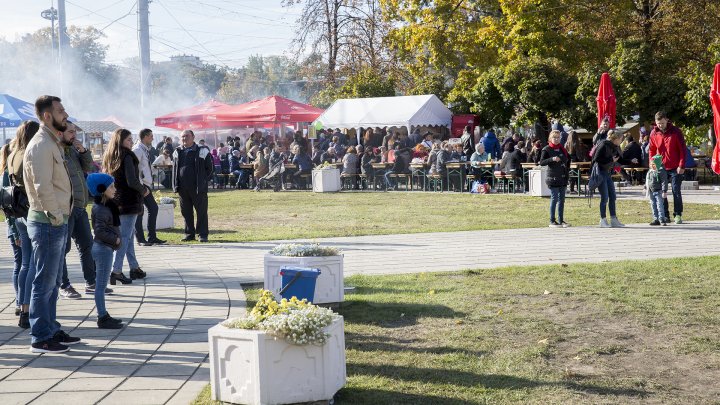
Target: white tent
(403, 111)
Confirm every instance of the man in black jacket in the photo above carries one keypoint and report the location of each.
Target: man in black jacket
(192, 171)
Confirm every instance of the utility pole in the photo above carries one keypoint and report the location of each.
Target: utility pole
(63, 42)
(144, 42)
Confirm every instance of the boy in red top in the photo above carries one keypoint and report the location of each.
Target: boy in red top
(668, 141)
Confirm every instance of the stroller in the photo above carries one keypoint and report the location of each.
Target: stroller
(273, 178)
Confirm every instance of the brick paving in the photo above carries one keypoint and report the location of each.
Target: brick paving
(161, 356)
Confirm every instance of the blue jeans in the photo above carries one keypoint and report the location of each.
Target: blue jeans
(127, 244)
(27, 269)
(79, 231)
(103, 256)
(675, 180)
(241, 176)
(557, 199)
(388, 181)
(48, 244)
(17, 259)
(658, 205)
(607, 193)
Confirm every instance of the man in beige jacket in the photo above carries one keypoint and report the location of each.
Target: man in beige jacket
(49, 190)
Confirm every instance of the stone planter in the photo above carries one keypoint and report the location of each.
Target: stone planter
(326, 180)
(165, 218)
(329, 287)
(252, 367)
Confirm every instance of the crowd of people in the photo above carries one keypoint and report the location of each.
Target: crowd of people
(46, 163)
(54, 179)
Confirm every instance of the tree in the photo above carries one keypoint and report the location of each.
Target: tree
(366, 83)
(349, 33)
(207, 79)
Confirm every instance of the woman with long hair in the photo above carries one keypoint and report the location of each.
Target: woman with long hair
(12, 232)
(26, 274)
(120, 162)
(576, 148)
(607, 154)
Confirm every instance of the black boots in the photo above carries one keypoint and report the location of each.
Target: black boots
(115, 277)
(137, 274)
(24, 321)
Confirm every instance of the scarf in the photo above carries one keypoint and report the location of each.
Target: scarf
(557, 146)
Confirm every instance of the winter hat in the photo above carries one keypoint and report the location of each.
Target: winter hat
(657, 159)
(99, 182)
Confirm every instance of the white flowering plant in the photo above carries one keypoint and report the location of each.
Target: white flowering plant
(297, 321)
(326, 166)
(304, 250)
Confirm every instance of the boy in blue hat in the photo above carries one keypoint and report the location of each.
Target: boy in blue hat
(105, 219)
(657, 185)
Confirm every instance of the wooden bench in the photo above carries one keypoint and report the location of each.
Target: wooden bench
(405, 177)
(348, 180)
(435, 180)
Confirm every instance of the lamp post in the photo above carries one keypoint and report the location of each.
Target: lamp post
(51, 14)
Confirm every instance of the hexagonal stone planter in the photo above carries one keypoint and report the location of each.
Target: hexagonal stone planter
(329, 287)
(252, 367)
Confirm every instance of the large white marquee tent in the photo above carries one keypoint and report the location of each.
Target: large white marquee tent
(402, 111)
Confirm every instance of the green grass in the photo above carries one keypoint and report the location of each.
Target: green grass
(621, 332)
(241, 216)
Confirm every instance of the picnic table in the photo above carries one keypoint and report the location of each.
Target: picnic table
(577, 170)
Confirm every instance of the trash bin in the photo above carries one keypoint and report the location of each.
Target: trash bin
(298, 282)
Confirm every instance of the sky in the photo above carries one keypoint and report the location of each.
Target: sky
(222, 32)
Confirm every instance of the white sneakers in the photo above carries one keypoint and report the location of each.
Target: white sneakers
(614, 223)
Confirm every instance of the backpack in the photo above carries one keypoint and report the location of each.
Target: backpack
(14, 201)
(594, 181)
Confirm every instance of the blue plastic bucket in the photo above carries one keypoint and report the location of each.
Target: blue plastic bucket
(298, 282)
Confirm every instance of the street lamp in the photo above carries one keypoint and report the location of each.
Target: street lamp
(51, 14)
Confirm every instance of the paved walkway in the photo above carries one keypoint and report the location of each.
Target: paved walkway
(161, 356)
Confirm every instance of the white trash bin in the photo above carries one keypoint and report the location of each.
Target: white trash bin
(538, 187)
(326, 180)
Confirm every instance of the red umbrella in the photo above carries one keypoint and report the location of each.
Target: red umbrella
(606, 100)
(715, 102)
(192, 118)
(269, 110)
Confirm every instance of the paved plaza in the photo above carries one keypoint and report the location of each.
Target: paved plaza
(161, 356)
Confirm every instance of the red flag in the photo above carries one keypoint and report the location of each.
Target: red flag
(606, 100)
(715, 103)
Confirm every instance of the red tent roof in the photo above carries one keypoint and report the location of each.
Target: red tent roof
(191, 118)
(269, 110)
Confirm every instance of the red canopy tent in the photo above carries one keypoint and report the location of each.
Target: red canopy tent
(192, 118)
(269, 110)
(715, 102)
(606, 100)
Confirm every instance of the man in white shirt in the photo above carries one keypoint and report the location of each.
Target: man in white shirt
(142, 151)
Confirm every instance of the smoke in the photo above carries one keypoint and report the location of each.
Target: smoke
(89, 88)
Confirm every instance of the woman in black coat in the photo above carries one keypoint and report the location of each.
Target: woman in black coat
(556, 158)
(120, 162)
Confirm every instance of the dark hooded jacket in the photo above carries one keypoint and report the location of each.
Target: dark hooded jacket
(557, 174)
(492, 145)
(130, 190)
